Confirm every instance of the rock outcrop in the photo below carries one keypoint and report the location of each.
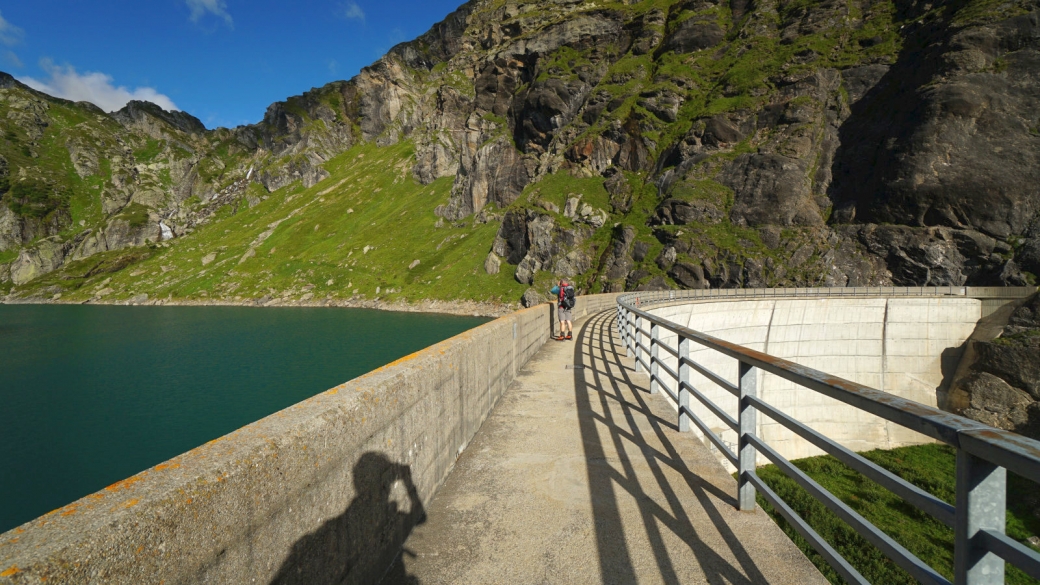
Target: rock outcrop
(535, 242)
(1003, 388)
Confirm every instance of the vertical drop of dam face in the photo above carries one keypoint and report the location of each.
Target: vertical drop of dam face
(91, 395)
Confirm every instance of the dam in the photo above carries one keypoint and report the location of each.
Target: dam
(903, 346)
(499, 455)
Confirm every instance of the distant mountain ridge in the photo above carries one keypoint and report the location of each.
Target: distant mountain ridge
(629, 145)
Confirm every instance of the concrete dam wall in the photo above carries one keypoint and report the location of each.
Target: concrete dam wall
(324, 491)
(903, 346)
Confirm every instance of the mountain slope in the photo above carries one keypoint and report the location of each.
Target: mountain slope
(336, 240)
(628, 145)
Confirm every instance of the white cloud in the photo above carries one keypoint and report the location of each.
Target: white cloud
(10, 34)
(350, 9)
(95, 87)
(199, 8)
(12, 59)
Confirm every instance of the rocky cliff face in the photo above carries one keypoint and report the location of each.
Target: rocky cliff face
(76, 181)
(641, 144)
(1003, 388)
(762, 143)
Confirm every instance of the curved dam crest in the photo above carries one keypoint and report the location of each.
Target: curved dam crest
(328, 489)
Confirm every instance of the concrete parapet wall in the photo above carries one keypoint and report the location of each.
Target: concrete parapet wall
(904, 346)
(324, 491)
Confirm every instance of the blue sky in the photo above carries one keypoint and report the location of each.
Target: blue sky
(223, 61)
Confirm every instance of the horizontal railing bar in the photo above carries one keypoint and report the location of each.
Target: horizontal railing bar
(732, 388)
(1015, 452)
(665, 386)
(674, 352)
(642, 347)
(645, 365)
(714, 408)
(833, 558)
(646, 298)
(941, 510)
(892, 549)
(1012, 551)
(1001, 447)
(710, 434)
(667, 369)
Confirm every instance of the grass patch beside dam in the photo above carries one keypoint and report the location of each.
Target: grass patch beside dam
(930, 467)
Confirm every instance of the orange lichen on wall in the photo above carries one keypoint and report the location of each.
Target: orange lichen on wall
(163, 466)
(406, 358)
(124, 484)
(12, 570)
(131, 503)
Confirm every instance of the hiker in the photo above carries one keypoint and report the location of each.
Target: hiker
(564, 303)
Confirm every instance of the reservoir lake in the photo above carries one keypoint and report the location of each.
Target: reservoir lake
(90, 395)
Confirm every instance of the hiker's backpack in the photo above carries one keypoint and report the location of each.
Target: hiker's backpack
(567, 297)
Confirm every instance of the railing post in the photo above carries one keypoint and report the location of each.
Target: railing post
(981, 504)
(638, 338)
(628, 334)
(684, 379)
(745, 450)
(654, 333)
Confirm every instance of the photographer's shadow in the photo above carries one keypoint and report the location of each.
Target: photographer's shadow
(359, 545)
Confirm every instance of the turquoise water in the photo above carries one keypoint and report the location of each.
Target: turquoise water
(92, 395)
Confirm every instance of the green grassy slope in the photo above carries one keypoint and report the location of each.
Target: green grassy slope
(300, 241)
(46, 158)
(930, 467)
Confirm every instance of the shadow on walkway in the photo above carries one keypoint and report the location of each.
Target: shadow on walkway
(607, 378)
(591, 484)
(357, 546)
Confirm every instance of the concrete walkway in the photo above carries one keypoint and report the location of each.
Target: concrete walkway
(581, 476)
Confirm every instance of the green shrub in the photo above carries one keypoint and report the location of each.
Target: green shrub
(151, 149)
(134, 214)
(34, 199)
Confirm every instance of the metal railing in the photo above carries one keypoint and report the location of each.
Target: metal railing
(984, 453)
(974, 292)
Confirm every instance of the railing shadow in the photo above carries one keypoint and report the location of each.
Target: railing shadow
(359, 545)
(611, 383)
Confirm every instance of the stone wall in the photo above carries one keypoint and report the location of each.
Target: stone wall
(324, 491)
